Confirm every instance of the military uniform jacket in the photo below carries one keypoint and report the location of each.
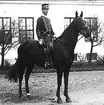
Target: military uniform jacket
(43, 25)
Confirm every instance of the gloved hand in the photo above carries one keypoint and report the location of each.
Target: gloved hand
(41, 41)
(54, 38)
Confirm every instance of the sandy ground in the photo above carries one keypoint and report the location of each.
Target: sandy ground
(85, 88)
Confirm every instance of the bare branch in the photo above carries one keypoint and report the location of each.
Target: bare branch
(10, 37)
(80, 38)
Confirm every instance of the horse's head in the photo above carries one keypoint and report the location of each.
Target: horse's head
(81, 25)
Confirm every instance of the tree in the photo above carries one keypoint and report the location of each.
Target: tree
(97, 34)
(8, 38)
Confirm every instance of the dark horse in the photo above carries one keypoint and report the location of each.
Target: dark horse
(31, 53)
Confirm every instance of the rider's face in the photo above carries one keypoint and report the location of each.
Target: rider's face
(45, 11)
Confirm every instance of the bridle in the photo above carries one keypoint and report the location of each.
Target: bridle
(81, 29)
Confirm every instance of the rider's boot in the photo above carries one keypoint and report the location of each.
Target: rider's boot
(47, 60)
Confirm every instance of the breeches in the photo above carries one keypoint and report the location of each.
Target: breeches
(48, 41)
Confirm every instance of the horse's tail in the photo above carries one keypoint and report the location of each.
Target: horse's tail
(15, 71)
(12, 75)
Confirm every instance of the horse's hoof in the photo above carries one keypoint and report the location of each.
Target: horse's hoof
(59, 101)
(68, 100)
(28, 95)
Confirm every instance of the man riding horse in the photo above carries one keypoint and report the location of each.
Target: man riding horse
(62, 56)
(45, 32)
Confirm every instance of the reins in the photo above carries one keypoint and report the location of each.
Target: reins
(59, 39)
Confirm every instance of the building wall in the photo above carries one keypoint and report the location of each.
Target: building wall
(57, 13)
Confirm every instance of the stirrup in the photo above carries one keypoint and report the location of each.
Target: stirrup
(47, 64)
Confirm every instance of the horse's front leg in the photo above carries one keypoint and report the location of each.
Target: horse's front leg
(66, 75)
(59, 81)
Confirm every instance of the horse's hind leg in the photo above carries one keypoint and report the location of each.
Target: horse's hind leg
(20, 76)
(28, 72)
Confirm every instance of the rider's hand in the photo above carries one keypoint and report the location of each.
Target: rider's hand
(54, 38)
(41, 41)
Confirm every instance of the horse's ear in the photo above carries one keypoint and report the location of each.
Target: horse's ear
(81, 15)
(76, 14)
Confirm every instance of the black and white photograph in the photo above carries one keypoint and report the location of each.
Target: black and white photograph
(51, 52)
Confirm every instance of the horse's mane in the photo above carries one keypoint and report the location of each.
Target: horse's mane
(67, 30)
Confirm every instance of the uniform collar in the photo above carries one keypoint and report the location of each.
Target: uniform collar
(44, 15)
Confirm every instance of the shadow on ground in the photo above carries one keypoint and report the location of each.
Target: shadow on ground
(13, 98)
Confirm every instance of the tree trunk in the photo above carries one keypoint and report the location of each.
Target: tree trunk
(90, 55)
(2, 55)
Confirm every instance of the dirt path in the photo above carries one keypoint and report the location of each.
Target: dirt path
(85, 88)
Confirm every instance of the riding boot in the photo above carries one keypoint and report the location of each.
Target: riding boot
(47, 60)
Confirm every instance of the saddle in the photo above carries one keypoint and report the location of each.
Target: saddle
(37, 49)
(41, 48)
(47, 42)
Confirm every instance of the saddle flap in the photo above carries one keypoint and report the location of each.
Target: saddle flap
(37, 49)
